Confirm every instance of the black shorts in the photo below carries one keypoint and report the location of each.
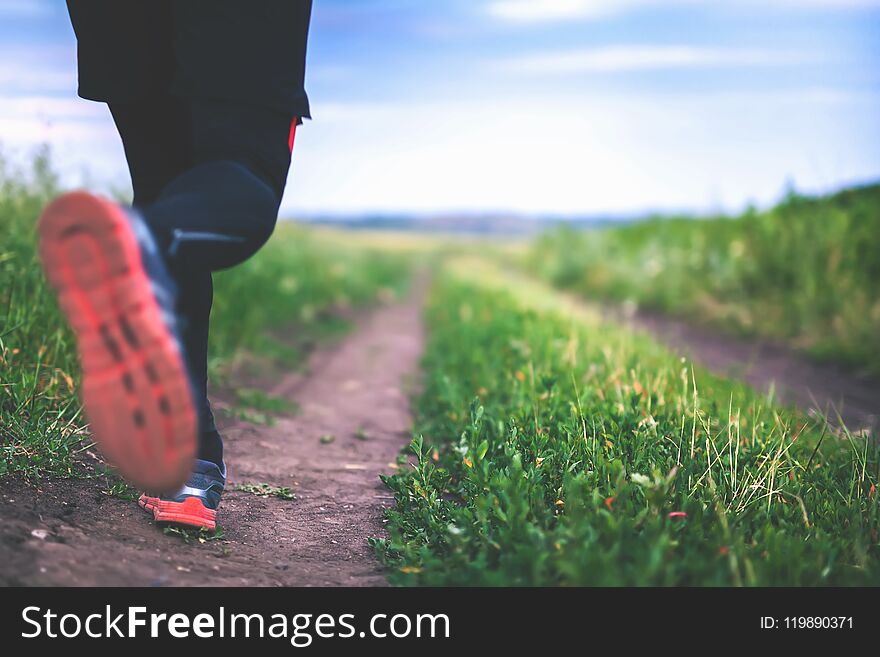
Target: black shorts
(250, 51)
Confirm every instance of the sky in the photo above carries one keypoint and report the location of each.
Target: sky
(533, 107)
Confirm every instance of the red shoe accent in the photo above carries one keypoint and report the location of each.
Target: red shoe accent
(134, 387)
(147, 502)
(191, 512)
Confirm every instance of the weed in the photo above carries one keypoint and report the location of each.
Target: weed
(266, 490)
(122, 491)
(191, 536)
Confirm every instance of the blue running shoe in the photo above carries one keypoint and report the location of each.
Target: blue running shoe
(194, 505)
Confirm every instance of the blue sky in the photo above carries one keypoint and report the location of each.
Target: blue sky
(529, 106)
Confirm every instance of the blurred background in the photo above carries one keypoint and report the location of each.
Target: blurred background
(541, 108)
(538, 119)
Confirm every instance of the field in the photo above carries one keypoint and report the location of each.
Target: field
(804, 272)
(557, 449)
(551, 446)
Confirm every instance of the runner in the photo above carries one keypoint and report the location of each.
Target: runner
(206, 96)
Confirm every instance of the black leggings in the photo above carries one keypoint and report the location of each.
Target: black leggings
(208, 177)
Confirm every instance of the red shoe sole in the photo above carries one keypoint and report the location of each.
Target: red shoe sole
(191, 512)
(147, 503)
(134, 387)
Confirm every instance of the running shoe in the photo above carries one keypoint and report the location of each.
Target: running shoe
(116, 293)
(148, 502)
(195, 504)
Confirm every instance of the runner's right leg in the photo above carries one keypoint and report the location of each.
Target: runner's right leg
(156, 135)
(214, 214)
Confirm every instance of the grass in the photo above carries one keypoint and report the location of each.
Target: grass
(258, 407)
(266, 490)
(263, 401)
(192, 536)
(41, 423)
(299, 282)
(301, 279)
(121, 490)
(805, 271)
(555, 449)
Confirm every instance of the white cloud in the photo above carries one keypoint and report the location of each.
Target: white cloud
(531, 11)
(550, 10)
(614, 59)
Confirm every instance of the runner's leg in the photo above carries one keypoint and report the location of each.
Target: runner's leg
(222, 210)
(208, 179)
(157, 140)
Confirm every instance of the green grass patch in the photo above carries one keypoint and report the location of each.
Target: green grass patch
(263, 401)
(191, 536)
(555, 449)
(805, 271)
(258, 407)
(41, 423)
(119, 489)
(266, 490)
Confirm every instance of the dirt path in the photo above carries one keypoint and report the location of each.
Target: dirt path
(796, 379)
(68, 532)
